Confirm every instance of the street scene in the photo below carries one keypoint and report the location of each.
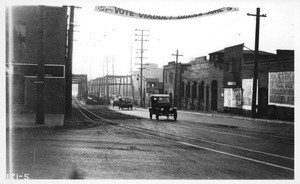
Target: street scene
(153, 90)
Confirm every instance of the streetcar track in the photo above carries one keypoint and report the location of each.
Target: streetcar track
(175, 139)
(263, 134)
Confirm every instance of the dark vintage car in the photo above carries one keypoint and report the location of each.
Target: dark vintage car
(161, 106)
(94, 100)
(116, 102)
(125, 102)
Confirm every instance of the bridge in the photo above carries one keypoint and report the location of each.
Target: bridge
(111, 86)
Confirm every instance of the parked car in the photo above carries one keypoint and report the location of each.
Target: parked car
(161, 106)
(125, 102)
(95, 100)
(116, 102)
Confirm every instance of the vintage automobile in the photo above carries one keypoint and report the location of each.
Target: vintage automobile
(116, 102)
(161, 106)
(125, 102)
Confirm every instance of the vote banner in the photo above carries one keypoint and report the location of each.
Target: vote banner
(127, 13)
(281, 89)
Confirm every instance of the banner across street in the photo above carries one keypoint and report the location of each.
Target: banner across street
(127, 13)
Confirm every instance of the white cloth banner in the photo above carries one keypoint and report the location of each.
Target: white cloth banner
(127, 13)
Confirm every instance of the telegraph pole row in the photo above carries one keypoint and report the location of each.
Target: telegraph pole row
(175, 82)
(142, 50)
(256, 55)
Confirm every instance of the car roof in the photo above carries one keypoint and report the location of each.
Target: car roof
(160, 95)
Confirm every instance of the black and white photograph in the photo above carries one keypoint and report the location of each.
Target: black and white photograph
(141, 90)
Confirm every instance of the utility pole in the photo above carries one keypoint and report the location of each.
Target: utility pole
(175, 81)
(68, 107)
(142, 50)
(40, 83)
(256, 55)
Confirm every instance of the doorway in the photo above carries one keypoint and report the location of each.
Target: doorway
(214, 95)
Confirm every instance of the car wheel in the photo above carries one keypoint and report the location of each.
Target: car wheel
(150, 114)
(157, 116)
(175, 115)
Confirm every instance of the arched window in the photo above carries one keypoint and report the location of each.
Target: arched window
(201, 91)
(182, 89)
(214, 95)
(195, 89)
(188, 90)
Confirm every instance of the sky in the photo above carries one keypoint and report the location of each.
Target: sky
(102, 39)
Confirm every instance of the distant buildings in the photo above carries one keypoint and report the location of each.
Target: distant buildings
(153, 75)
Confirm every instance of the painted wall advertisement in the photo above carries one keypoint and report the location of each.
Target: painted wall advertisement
(247, 93)
(281, 89)
(233, 97)
(200, 68)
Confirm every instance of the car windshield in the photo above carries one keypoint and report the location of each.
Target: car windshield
(127, 99)
(162, 99)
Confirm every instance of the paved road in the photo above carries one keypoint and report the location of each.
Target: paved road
(94, 151)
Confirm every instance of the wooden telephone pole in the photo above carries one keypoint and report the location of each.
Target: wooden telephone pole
(255, 69)
(141, 75)
(40, 87)
(175, 81)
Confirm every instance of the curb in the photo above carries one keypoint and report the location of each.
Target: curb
(233, 117)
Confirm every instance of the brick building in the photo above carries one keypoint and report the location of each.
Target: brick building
(169, 81)
(224, 82)
(199, 84)
(282, 65)
(27, 24)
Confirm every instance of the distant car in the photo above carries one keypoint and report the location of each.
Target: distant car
(161, 106)
(125, 102)
(91, 100)
(95, 100)
(116, 102)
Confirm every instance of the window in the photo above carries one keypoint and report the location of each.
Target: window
(171, 77)
(166, 77)
(194, 89)
(182, 88)
(201, 90)
(188, 90)
(233, 65)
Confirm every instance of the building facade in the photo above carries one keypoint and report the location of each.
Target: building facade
(224, 82)
(23, 43)
(150, 71)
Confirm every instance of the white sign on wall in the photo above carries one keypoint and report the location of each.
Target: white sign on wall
(281, 89)
(247, 93)
(232, 97)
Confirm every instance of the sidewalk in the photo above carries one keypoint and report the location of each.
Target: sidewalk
(28, 120)
(228, 115)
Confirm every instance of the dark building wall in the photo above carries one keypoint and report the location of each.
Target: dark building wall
(54, 95)
(283, 62)
(26, 24)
